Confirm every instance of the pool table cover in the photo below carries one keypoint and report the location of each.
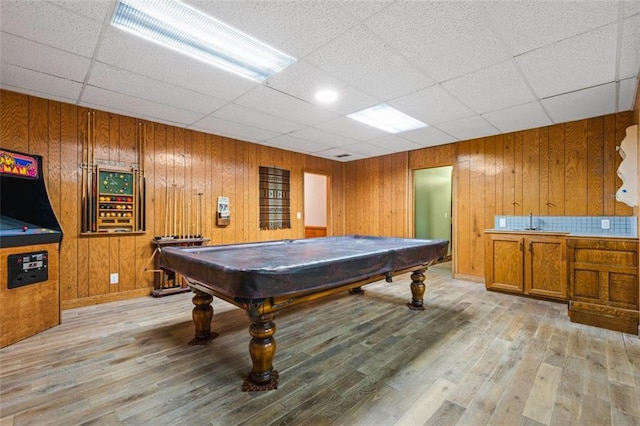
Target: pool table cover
(253, 271)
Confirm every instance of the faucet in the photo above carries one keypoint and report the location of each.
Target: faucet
(530, 227)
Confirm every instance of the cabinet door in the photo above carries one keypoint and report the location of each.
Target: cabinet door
(504, 263)
(546, 267)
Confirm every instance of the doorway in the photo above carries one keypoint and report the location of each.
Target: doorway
(432, 204)
(316, 205)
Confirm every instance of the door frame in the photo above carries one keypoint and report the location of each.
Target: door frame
(327, 175)
(454, 208)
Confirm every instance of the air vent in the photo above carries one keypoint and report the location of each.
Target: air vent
(343, 155)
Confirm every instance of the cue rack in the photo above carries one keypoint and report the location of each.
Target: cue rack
(113, 194)
(183, 227)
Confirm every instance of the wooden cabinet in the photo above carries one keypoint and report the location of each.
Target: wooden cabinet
(603, 283)
(527, 263)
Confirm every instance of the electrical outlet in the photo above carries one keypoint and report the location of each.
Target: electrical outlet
(604, 223)
(113, 278)
(503, 223)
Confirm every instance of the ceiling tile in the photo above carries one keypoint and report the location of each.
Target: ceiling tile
(34, 56)
(218, 126)
(50, 25)
(113, 101)
(279, 104)
(93, 9)
(295, 144)
(582, 61)
(447, 39)
(469, 128)
(39, 84)
(428, 136)
(631, 7)
(131, 84)
(526, 116)
(368, 149)
(581, 104)
(627, 94)
(259, 119)
(364, 61)
(630, 48)
(483, 90)
(433, 105)
(525, 26)
(394, 143)
(350, 128)
(320, 136)
(294, 27)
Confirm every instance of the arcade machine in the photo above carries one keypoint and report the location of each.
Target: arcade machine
(30, 237)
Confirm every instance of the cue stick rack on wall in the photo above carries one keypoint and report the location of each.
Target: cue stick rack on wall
(113, 195)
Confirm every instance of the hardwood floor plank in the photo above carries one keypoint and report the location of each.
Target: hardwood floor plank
(472, 357)
(427, 403)
(539, 406)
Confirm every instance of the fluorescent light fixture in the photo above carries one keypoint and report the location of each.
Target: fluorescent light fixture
(385, 118)
(326, 96)
(181, 27)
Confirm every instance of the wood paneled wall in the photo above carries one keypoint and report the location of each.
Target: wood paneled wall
(565, 169)
(199, 162)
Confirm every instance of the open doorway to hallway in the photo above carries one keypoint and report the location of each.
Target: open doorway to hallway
(316, 205)
(432, 204)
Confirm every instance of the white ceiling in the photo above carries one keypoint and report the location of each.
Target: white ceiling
(467, 68)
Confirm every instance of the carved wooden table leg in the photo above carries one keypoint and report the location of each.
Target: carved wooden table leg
(202, 314)
(417, 290)
(262, 349)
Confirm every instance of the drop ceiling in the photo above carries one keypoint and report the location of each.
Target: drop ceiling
(467, 69)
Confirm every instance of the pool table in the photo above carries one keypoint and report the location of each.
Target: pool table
(265, 277)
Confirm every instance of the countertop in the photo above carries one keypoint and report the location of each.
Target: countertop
(558, 233)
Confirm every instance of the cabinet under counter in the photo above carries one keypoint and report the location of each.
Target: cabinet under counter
(531, 263)
(603, 282)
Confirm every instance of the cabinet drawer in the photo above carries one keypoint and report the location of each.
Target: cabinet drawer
(588, 255)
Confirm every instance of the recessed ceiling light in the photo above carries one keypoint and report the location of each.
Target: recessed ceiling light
(185, 29)
(389, 119)
(326, 96)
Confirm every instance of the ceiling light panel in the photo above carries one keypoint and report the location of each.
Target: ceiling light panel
(180, 27)
(385, 118)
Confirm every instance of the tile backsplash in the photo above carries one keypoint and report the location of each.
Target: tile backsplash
(600, 225)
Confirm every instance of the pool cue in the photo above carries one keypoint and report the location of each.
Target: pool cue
(199, 214)
(182, 212)
(91, 174)
(175, 207)
(84, 181)
(166, 209)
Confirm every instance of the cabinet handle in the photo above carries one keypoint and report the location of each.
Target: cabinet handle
(521, 247)
(530, 246)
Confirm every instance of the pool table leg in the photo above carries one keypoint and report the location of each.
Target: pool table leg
(417, 290)
(202, 314)
(262, 349)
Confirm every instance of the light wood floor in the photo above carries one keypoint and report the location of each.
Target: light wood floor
(472, 358)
